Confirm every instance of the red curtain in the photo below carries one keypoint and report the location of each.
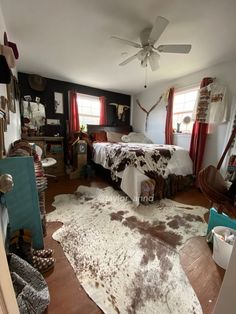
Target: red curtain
(73, 114)
(198, 139)
(169, 114)
(103, 111)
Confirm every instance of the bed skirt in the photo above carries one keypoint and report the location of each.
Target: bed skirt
(165, 188)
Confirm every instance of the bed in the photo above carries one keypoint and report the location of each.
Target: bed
(130, 164)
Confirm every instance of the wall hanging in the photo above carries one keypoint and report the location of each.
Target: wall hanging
(212, 104)
(37, 82)
(4, 108)
(121, 111)
(148, 112)
(11, 95)
(58, 102)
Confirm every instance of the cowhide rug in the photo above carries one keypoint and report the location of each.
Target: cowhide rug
(126, 258)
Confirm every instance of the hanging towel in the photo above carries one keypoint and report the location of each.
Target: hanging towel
(211, 105)
(218, 104)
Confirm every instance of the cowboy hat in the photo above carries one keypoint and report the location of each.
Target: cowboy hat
(7, 52)
(12, 45)
(37, 82)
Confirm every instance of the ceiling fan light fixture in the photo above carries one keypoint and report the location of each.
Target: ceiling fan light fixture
(154, 60)
(141, 55)
(144, 61)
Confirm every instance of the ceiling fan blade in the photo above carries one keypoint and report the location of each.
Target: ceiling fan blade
(128, 42)
(154, 60)
(158, 29)
(128, 60)
(144, 36)
(174, 48)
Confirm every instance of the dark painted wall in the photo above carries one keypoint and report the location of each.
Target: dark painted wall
(47, 98)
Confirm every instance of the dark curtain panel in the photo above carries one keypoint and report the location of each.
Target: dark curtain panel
(199, 135)
(169, 115)
(103, 111)
(73, 113)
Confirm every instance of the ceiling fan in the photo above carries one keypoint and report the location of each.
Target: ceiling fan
(148, 38)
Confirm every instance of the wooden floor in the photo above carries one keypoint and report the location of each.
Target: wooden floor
(67, 295)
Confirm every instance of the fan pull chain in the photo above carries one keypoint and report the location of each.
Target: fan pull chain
(145, 85)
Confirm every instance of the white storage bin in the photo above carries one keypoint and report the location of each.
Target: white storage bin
(221, 249)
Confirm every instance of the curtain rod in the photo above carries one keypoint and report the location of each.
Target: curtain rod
(90, 96)
(186, 87)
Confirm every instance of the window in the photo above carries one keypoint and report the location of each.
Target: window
(89, 109)
(183, 106)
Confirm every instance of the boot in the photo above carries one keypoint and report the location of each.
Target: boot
(152, 185)
(21, 244)
(43, 265)
(43, 253)
(145, 190)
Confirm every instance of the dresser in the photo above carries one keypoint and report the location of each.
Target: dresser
(52, 146)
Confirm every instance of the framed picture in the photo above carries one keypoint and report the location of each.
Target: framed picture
(11, 96)
(16, 89)
(53, 121)
(58, 102)
(4, 108)
(2, 143)
(3, 103)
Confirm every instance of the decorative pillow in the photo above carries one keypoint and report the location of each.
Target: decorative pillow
(114, 137)
(134, 137)
(125, 138)
(86, 138)
(100, 136)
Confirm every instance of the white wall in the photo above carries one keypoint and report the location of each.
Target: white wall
(8, 302)
(226, 302)
(13, 129)
(216, 141)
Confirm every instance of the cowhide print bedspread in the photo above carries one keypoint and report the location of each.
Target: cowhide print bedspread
(147, 158)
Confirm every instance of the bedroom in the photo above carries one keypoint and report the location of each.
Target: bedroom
(90, 59)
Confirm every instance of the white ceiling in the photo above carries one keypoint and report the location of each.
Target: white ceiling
(70, 40)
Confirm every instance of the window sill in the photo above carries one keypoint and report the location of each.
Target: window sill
(182, 134)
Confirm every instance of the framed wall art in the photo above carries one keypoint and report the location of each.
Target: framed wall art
(4, 109)
(11, 96)
(58, 102)
(2, 129)
(53, 121)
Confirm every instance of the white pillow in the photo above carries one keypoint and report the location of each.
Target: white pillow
(134, 137)
(114, 137)
(125, 138)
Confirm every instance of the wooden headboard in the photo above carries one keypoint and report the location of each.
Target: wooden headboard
(91, 128)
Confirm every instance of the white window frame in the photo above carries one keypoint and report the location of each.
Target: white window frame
(181, 91)
(79, 96)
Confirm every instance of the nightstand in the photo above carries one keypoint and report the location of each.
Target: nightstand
(81, 154)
